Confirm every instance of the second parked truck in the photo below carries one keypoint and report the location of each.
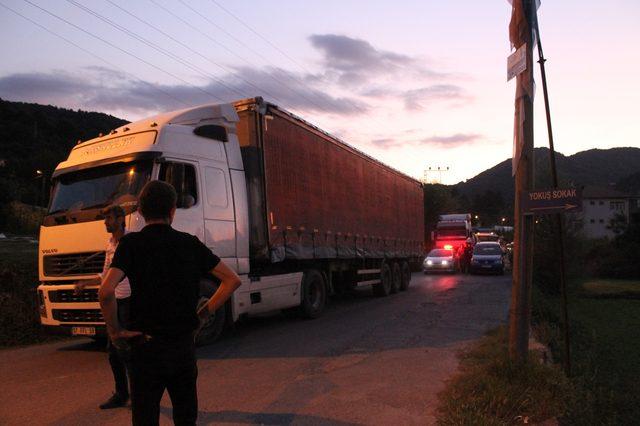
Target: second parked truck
(296, 212)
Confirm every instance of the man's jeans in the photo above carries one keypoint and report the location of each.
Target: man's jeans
(159, 364)
(116, 358)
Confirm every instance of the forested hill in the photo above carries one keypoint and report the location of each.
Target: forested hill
(37, 137)
(600, 167)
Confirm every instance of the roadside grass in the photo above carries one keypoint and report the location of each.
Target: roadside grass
(19, 321)
(604, 318)
(489, 389)
(612, 288)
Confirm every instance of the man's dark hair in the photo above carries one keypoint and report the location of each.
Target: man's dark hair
(156, 200)
(115, 210)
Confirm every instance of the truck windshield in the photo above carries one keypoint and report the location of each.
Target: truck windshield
(99, 187)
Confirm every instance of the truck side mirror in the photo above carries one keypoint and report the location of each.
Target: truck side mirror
(185, 201)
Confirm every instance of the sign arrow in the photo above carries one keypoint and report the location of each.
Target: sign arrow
(552, 201)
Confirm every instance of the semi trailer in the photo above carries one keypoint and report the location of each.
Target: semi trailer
(297, 213)
(452, 231)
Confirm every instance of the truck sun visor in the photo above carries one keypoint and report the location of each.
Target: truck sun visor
(212, 131)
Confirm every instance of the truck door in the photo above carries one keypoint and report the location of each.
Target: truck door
(184, 178)
(219, 218)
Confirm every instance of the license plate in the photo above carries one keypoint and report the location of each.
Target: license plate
(486, 266)
(83, 331)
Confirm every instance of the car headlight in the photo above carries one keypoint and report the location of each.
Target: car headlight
(429, 262)
(445, 262)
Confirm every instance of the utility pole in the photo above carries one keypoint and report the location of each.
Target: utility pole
(520, 31)
(434, 169)
(554, 175)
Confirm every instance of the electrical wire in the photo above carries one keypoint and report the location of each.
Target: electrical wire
(219, 44)
(184, 45)
(123, 50)
(255, 52)
(94, 55)
(282, 52)
(154, 46)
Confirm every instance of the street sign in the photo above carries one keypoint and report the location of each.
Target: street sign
(549, 201)
(517, 62)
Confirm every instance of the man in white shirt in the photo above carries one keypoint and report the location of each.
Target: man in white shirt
(114, 222)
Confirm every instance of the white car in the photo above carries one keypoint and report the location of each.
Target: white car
(440, 260)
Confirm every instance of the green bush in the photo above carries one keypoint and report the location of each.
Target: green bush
(22, 218)
(19, 320)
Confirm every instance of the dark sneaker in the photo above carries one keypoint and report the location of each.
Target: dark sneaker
(115, 401)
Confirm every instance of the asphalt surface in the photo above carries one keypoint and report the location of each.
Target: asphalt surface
(367, 360)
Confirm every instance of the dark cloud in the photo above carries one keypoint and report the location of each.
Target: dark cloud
(355, 61)
(104, 89)
(384, 143)
(354, 55)
(451, 141)
(417, 99)
(421, 98)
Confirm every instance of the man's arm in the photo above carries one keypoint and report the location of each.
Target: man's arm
(80, 285)
(107, 298)
(230, 281)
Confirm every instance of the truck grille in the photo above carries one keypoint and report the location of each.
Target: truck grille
(73, 264)
(69, 296)
(77, 315)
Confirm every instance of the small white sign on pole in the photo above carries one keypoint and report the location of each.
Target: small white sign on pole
(517, 62)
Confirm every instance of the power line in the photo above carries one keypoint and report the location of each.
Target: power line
(156, 47)
(258, 34)
(93, 54)
(169, 36)
(282, 52)
(249, 48)
(219, 44)
(122, 50)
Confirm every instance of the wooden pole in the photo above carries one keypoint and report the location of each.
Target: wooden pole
(554, 175)
(520, 310)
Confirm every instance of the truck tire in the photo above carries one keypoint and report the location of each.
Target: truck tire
(383, 288)
(396, 277)
(314, 294)
(406, 276)
(214, 325)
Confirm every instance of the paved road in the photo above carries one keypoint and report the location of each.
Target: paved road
(366, 361)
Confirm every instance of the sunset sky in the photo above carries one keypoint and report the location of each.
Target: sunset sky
(412, 83)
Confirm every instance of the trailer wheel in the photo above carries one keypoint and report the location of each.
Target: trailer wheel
(383, 288)
(396, 277)
(406, 276)
(214, 325)
(314, 294)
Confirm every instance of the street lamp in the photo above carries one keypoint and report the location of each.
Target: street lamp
(40, 175)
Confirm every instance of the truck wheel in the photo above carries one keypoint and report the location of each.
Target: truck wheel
(213, 326)
(314, 294)
(396, 277)
(383, 288)
(406, 276)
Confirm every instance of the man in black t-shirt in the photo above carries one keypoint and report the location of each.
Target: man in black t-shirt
(164, 268)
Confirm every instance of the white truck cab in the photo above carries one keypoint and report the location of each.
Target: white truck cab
(194, 149)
